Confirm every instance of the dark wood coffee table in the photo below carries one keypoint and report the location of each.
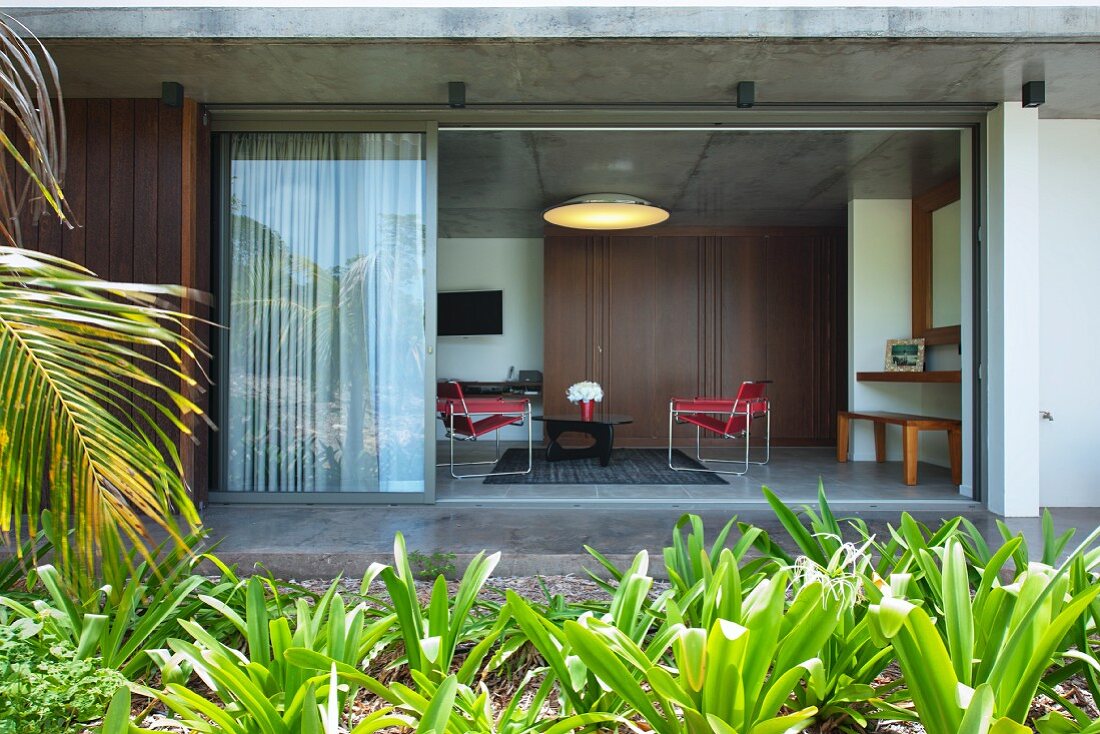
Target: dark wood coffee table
(601, 428)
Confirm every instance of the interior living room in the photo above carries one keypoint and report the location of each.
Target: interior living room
(787, 257)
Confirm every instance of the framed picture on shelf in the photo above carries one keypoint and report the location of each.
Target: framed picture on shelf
(905, 355)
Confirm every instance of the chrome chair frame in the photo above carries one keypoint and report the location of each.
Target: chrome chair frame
(452, 436)
(749, 414)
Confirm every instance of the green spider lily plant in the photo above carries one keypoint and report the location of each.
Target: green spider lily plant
(277, 683)
(472, 710)
(1006, 636)
(432, 635)
(719, 680)
(639, 619)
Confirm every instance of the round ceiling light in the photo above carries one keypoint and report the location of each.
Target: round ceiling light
(605, 211)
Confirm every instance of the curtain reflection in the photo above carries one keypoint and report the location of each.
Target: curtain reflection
(326, 315)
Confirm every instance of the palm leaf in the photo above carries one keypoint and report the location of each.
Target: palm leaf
(78, 411)
(29, 92)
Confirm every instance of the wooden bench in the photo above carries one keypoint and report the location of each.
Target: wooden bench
(911, 425)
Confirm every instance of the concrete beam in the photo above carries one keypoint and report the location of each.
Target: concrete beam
(1045, 23)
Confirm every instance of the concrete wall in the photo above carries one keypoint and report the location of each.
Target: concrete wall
(1069, 310)
(511, 265)
(880, 308)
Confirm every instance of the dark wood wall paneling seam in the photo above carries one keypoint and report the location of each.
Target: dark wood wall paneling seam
(767, 296)
(120, 239)
(604, 350)
(701, 319)
(592, 324)
(27, 225)
(144, 196)
(204, 258)
(188, 225)
(72, 239)
(719, 312)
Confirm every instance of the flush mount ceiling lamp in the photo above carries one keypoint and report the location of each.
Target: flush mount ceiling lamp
(605, 211)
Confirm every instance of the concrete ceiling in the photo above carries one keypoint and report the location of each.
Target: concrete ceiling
(497, 183)
(657, 71)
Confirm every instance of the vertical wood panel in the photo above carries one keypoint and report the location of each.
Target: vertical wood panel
(49, 225)
(793, 356)
(204, 259)
(169, 215)
(145, 203)
(188, 277)
(566, 318)
(8, 163)
(708, 372)
(127, 163)
(840, 349)
(631, 342)
(143, 198)
(97, 222)
(121, 243)
(49, 231)
(28, 230)
(744, 305)
(677, 328)
(690, 314)
(76, 158)
(120, 240)
(169, 191)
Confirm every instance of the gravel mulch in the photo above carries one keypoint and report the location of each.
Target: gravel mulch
(574, 589)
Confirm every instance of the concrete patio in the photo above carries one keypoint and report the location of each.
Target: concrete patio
(543, 528)
(321, 541)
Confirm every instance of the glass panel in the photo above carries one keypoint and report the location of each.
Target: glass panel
(946, 278)
(326, 313)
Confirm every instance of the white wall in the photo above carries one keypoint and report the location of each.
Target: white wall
(879, 304)
(880, 262)
(1069, 308)
(1012, 334)
(511, 265)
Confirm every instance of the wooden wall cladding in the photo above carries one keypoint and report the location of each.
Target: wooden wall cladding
(138, 183)
(656, 316)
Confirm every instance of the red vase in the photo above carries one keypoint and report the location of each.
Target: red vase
(588, 408)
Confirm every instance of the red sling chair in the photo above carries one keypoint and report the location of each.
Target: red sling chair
(467, 419)
(726, 418)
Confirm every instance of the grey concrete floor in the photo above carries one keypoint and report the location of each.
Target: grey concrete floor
(320, 541)
(792, 473)
(542, 529)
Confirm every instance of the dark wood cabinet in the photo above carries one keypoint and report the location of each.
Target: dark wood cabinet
(695, 313)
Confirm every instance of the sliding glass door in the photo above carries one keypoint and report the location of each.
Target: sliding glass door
(326, 268)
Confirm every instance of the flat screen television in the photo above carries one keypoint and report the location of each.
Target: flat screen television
(470, 313)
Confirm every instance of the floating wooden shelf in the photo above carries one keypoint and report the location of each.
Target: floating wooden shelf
(933, 376)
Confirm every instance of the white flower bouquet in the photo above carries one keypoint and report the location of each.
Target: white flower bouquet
(581, 391)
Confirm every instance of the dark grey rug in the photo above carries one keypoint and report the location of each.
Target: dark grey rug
(628, 466)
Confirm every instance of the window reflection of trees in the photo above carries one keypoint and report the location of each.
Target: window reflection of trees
(313, 411)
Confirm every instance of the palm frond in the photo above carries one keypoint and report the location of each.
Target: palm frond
(78, 422)
(29, 93)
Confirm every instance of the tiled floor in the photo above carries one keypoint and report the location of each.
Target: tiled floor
(792, 474)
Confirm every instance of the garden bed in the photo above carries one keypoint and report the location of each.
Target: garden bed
(930, 630)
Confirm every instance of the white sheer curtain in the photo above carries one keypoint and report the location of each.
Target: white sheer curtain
(326, 313)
